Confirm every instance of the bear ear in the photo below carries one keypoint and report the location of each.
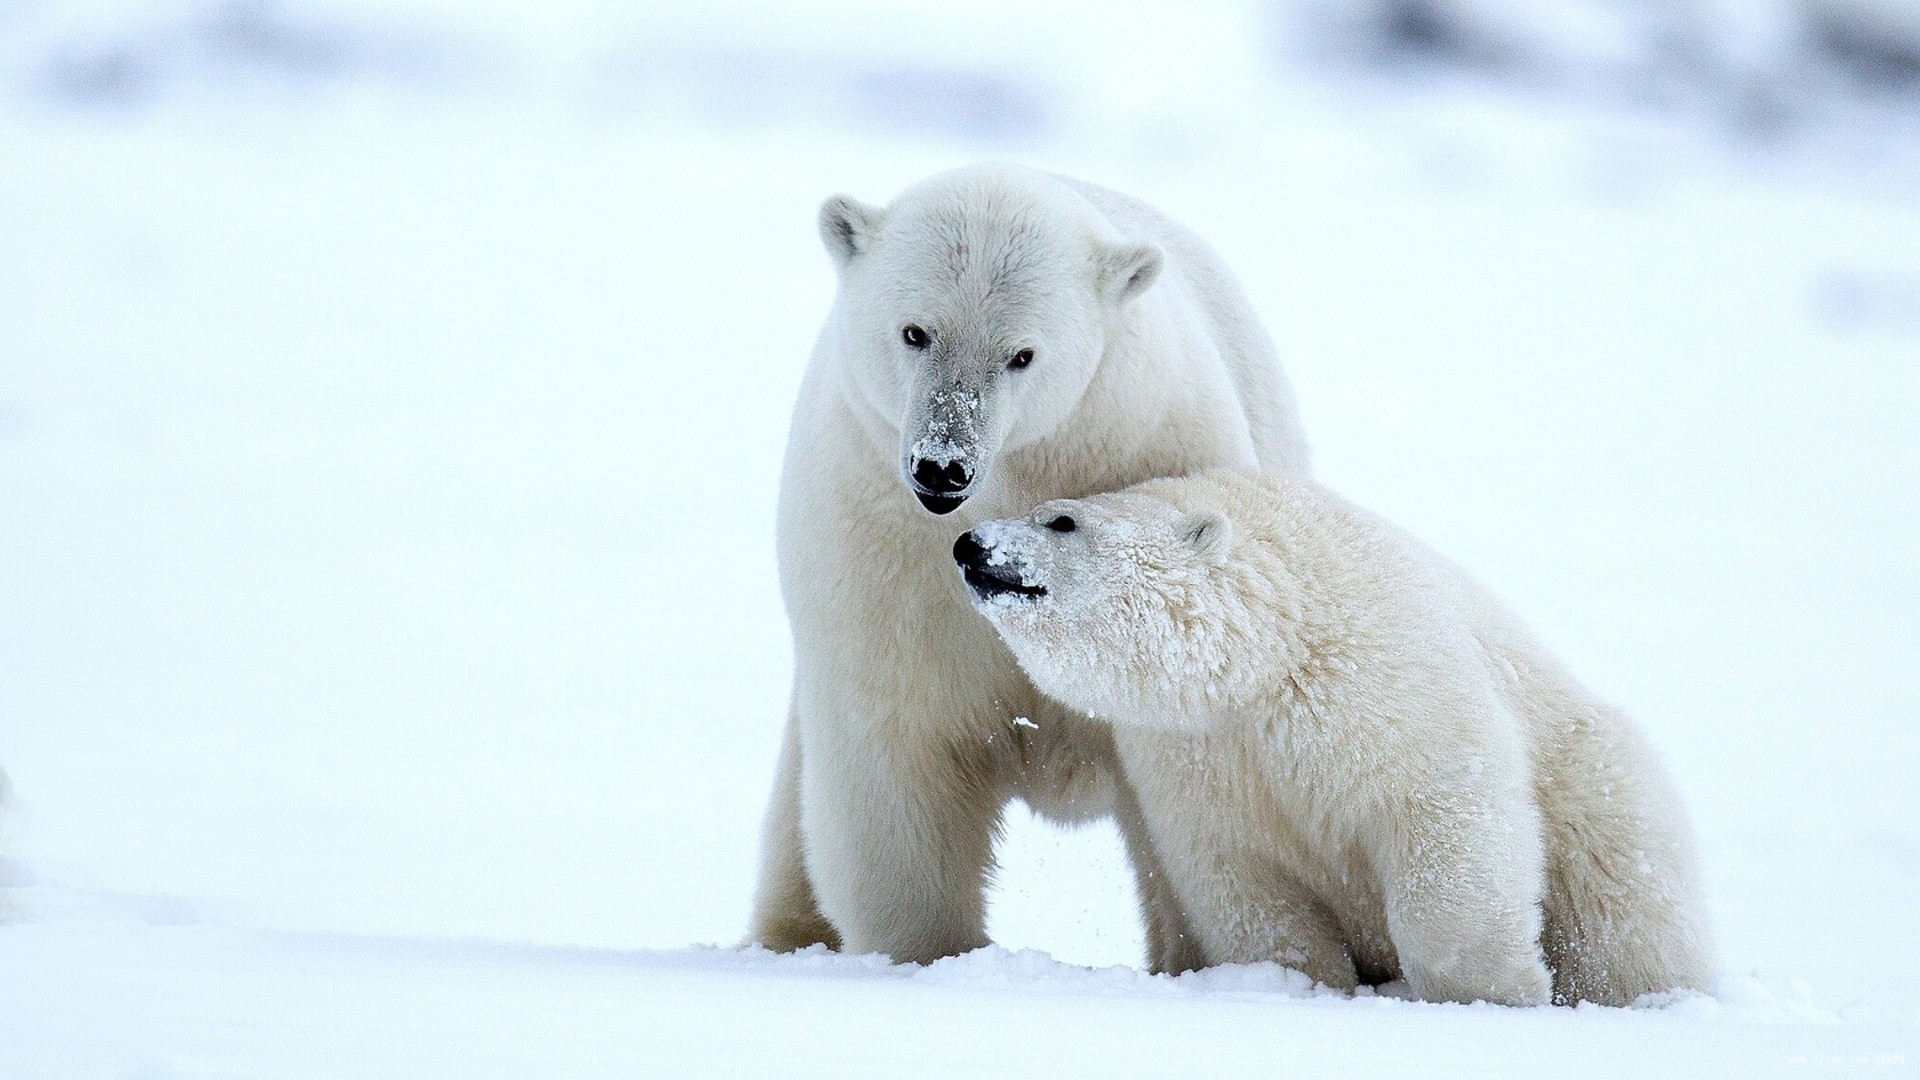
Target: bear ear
(1210, 534)
(1126, 270)
(847, 226)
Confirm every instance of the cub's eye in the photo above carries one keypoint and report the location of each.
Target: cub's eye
(915, 337)
(1020, 359)
(1063, 523)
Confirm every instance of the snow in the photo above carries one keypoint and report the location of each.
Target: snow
(391, 657)
(199, 1001)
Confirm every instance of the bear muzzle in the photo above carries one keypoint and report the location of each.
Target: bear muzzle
(989, 577)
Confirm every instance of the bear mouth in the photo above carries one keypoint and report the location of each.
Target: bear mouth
(987, 584)
(939, 504)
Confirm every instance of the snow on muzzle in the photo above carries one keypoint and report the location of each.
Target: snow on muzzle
(993, 568)
(944, 458)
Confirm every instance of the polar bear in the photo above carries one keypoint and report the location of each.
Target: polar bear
(1350, 759)
(1000, 337)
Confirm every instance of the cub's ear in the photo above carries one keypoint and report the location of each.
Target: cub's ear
(847, 226)
(1209, 533)
(1127, 270)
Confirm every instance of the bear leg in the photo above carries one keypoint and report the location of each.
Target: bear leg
(1258, 914)
(1249, 910)
(898, 836)
(1463, 903)
(786, 915)
(1625, 910)
(1172, 944)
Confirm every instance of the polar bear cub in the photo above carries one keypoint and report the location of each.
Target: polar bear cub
(1350, 758)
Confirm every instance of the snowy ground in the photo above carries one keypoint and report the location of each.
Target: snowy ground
(391, 661)
(215, 1002)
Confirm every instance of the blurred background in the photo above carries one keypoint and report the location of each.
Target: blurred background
(392, 397)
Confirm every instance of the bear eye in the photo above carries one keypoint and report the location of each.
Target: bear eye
(1020, 359)
(915, 337)
(1063, 523)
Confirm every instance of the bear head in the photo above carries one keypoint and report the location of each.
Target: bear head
(974, 313)
(1126, 606)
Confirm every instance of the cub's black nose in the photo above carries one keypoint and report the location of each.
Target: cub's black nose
(934, 478)
(989, 580)
(968, 552)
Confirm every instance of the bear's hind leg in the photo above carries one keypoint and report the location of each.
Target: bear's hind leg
(786, 916)
(1624, 911)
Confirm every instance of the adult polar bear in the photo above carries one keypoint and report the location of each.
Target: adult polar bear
(1001, 337)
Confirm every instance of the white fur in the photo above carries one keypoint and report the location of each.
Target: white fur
(1350, 758)
(901, 744)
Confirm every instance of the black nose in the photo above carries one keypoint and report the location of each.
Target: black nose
(968, 552)
(937, 479)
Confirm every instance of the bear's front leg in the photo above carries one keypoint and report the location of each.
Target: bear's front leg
(899, 833)
(1463, 891)
(1231, 903)
(1249, 913)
